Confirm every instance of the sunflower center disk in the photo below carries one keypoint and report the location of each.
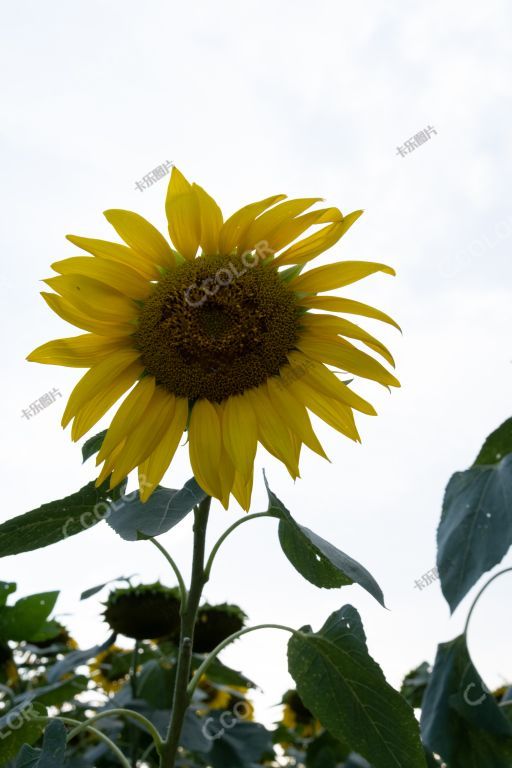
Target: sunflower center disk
(214, 327)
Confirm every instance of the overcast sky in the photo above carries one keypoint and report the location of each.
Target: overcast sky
(251, 99)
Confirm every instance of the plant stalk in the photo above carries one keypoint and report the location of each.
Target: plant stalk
(181, 699)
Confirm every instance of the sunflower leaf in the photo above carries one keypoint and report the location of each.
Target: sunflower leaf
(134, 520)
(316, 559)
(93, 445)
(24, 619)
(345, 689)
(475, 531)
(55, 521)
(52, 753)
(460, 720)
(497, 445)
(17, 727)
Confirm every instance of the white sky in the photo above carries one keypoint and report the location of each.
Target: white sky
(251, 99)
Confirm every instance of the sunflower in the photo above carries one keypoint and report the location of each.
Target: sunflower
(215, 623)
(110, 669)
(222, 336)
(144, 612)
(232, 697)
(296, 717)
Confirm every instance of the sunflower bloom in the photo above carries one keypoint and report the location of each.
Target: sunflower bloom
(223, 336)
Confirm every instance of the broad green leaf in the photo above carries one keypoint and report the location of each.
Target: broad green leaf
(75, 659)
(49, 630)
(316, 559)
(17, 727)
(193, 736)
(56, 694)
(497, 445)
(475, 531)
(133, 519)
(236, 743)
(93, 445)
(52, 753)
(220, 674)
(155, 684)
(6, 589)
(23, 620)
(55, 521)
(345, 689)
(326, 752)
(460, 720)
(415, 684)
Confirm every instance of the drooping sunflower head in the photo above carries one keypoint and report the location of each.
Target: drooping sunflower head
(111, 668)
(225, 697)
(221, 336)
(296, 717)
(144, 612)
(215, 623)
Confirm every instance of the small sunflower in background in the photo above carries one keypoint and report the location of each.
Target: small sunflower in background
(215, 623)
(144, 612)
(297, 718)
(110, 670)
(225, 697)
(220, 335)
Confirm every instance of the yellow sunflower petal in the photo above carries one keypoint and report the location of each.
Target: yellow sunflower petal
(334, 413)
(262, 228)
(211, 221)
(348, 306)
(329, 326)
(234, 228)
(106, 470)
(320, 377)
(77, 351)
(312, 246)
(97, 407)
(146, 435)
(332, 276)
(227, 477)
(63, 308)
(273, 432)
(119, 276)
(152, 470)
(294, 412)
(345, 356)
(121, 254)
(240, 432)
(242, 489)
(183, 216)
(99, 378)
(205, 446)
(293, 228)
(141, 236)
(94, 298)
(128, 415)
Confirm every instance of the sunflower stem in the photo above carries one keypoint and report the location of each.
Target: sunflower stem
(230, 530)
(119, 712)
(181, 699)
(213, 654)
(177, 572)
(479, 595)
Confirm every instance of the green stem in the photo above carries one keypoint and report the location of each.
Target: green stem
(477, 598)
(177, 572)
(169, 750)
(213, 654)
(135, 734)
(230, 530)
(99, 734)
(128, 713)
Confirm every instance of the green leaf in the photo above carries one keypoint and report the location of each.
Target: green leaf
(220, 674)
(6, 589)
(94, 590)
(134, 520)
(460, 720)
(93, 445)
(76, 659)
(326, 752)
(475, 531)
(17, 728)
(53, 751)
(56, 694)
(155, 684)
(316, 559)
(497, 445)
(415, 684)
(49, 630)
(55, 521)
(236, 743)
(23, 620)
(345, 689)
